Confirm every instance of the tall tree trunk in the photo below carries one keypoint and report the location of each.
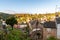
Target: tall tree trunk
(12, 27)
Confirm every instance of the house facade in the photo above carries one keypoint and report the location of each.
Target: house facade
(42, 31)
(49, 29)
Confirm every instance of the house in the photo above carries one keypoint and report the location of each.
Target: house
(49, 29)
(43, 31)
(37, 30)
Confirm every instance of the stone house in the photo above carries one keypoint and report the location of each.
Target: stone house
(42, 31)
(49, 29)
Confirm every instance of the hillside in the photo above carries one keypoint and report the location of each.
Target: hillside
(4, 15)
(24, 17)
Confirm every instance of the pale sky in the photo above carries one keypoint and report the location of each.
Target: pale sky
(29, 6)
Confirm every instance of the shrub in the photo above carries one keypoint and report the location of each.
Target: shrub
(15, 34)
(51, 38)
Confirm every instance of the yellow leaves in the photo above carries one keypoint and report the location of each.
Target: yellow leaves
(25, 17)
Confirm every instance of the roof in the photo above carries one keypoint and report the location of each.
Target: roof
(49, 24)
(34, 21)
(58, 20)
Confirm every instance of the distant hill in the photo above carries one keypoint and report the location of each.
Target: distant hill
(4, 15)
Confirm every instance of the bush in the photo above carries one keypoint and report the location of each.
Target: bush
(51, 38)
(15, 34)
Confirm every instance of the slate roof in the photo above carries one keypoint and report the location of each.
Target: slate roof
(50, 24)
(58, 20)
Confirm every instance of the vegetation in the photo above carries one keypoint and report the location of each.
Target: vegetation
(11, 21)
(4, 15)
(23, 17)
(15, 34)
(51, 38)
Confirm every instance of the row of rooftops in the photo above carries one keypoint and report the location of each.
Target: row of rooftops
(49, 24)
(46, 24)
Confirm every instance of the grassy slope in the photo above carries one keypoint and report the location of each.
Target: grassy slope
(4, 15)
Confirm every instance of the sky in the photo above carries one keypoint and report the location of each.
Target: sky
(29, 6)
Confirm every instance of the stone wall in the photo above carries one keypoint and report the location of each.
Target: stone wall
(46, 33)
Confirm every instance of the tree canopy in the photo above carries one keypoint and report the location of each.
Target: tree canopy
(11, 21)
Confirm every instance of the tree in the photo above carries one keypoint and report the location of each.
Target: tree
(11, 21)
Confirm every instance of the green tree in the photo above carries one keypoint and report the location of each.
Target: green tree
(11, 21)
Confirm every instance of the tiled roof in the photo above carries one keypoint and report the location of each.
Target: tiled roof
(49, 24)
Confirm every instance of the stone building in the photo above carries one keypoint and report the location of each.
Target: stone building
(49, 29)
(42, 31)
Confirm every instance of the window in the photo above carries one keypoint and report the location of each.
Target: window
(48, 29)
